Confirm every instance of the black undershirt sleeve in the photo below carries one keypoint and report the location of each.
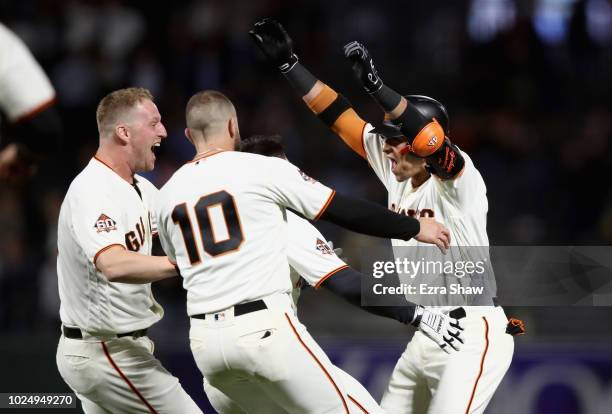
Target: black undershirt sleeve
(41, 133)
(369, 218)
(347, 284)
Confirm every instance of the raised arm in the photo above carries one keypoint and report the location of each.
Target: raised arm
(329, 106)
(424, 134)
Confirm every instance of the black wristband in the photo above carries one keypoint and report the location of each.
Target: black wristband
(386, 98)
(301, 79)
(330, 114)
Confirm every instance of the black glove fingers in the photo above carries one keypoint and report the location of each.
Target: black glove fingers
(450, 341)
(456, 335)
(354, 49)
(256, 37)
(456, 324)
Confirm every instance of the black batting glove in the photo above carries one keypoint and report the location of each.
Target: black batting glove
(273, 40)
(363, 66)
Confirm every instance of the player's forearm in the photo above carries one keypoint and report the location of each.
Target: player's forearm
(369, 218)
(123, 266)
(331, 108)
(347, 284)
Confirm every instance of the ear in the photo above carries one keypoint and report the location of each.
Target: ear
(188, 135)
(232, 127)
(122, 132)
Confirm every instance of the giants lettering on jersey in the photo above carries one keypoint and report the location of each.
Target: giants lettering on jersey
(424, 212)
(133, 242)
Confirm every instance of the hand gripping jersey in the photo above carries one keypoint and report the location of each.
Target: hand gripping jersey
(99, 211)
(222, 217)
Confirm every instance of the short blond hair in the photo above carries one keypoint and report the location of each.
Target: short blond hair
(115, 104)
(208, 110)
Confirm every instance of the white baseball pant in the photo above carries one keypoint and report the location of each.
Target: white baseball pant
(267, 358)
(360, 400)
(428, 380)
(120, 375)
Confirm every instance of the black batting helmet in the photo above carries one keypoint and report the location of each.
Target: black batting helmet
(428, 107)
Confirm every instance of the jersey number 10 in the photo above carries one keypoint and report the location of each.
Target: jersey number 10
(210, 243)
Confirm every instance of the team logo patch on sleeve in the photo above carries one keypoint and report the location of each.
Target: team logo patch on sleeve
(306, 177)
(324, 247)
(105, 223)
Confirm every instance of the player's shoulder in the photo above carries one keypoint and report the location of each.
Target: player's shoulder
(252, 166)
(91, 179)
(469, 168)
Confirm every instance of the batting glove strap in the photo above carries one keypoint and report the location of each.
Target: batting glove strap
(290, 64)
(444, 330)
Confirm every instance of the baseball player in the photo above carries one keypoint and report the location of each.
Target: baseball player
(105, 233)
(425, 175)
(313, 261)
(27, 101)
(222, 220)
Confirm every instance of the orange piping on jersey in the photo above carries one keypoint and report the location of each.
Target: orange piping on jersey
(482, 360)
(205, 155)
(171, 262)
(331, 196)
(330, 274)
(102, 250)
(349, 126)
(357, 404)
(95, 157)
(126, 379)
(323, 99)
(36, 110)
(104, 163)
(318, 362)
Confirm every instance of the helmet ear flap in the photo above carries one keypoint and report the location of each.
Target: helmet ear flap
(430, 109)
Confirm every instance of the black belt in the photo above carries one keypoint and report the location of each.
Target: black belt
(241, 308)
(75, 333)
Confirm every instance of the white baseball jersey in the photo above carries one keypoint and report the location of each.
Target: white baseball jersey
(24, 87)
(455, 383)
(99, 211)
(460, 204)
(309, 255)
(222, 218)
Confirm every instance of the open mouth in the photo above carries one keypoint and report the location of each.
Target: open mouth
(155, 148)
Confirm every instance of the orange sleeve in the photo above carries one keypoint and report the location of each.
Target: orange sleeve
(349, 126)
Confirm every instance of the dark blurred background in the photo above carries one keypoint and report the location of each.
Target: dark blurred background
(527, 85)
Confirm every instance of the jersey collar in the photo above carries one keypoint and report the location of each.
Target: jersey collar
(134, 181)
(206, 154)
